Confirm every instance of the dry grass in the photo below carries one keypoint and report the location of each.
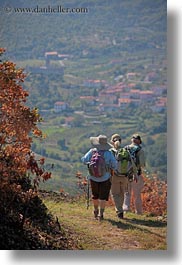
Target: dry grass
(131, 233)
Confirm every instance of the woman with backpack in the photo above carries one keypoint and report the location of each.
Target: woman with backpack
(119, 178)
(100, 162)
(136, 186)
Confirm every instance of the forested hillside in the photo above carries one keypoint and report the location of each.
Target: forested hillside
(102, 50)
(106, 28)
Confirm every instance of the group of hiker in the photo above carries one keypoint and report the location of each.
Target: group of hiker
(115, 170)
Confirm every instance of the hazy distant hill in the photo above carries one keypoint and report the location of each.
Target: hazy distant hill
(104, 28)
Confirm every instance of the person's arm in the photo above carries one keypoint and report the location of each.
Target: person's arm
(86, 158)
(113, 162)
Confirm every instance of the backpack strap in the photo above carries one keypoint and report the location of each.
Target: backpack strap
(133, 164)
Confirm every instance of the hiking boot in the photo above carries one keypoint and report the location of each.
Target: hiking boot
(101, 217)
(120, 215)
(96, 212)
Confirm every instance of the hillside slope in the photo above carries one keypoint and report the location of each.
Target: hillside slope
(55, 221)
(30, 226)
(132, 233)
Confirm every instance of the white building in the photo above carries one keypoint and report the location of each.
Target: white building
(60, 106)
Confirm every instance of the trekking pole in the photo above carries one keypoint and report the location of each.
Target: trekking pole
(88, 193)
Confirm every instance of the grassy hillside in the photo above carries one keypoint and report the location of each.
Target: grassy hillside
(132, 233)
(54, 221)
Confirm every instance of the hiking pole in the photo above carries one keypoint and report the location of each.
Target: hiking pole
(88, 193)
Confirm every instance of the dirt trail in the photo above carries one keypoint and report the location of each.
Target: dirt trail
(132, 233)
(94, 234)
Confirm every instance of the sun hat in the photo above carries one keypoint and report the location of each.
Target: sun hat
(100, 142)
(137, 136)
(115, 137)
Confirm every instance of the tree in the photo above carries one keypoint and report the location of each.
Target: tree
(18, 126)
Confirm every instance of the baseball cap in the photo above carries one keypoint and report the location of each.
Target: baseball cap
(137, 136)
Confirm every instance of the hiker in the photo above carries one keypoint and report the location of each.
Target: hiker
(99, 176)
(135, 186)
(119, 181)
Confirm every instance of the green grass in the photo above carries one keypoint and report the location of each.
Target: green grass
(132, 233)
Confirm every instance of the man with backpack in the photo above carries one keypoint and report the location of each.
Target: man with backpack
(137, 153)
(100, 162)
(120, 177)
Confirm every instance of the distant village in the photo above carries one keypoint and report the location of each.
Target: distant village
(110, 98)
(120, 96)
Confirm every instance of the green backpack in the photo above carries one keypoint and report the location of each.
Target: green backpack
(125, 165)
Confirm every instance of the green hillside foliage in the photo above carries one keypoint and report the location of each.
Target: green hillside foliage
(110, 40)
(34, 33)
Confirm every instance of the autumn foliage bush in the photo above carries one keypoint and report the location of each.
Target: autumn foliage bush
(18, 127)
(154, 196)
